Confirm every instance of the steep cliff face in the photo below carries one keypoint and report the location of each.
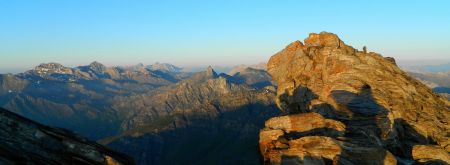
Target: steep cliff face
(23, 141)
(351, 107)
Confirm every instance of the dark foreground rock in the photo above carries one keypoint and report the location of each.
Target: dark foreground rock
(348, 106)
(23, 141)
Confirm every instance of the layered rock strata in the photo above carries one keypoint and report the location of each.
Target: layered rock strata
(347, 106)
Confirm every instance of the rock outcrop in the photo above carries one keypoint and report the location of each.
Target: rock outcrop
(348, 106)
(23, 141)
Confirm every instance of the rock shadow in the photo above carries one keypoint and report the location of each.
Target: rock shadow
(307, 160)
(366, 118)
(367, 124)
(407, 137)
(329, 132)
(298, 101)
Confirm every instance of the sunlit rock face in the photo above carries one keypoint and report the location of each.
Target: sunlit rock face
(348, 106)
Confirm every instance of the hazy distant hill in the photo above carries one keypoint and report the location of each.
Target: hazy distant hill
(240, 68)
(230, 70)
(165, 67)
(427, 68)
(433, 80)
(436, 77)
(255, 77)
(439, 82)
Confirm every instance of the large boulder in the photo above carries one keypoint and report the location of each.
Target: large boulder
(430, 154)
(303, 123)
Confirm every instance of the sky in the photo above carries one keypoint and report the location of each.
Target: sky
(199, 33)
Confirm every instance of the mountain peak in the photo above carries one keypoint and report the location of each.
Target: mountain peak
(95, 63)
(210, 71)
(333, 86)
(323, 39)
(52, 67)
(97, 66)
(203, 76)
(164, 67)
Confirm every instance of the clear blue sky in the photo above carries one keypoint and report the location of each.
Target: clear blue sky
(190, 33)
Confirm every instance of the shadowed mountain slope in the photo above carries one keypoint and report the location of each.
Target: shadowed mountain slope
(206, 119)
(23, 141)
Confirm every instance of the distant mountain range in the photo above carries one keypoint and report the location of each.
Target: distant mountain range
(149, 112)
(439, 82)
(159, 112)
(436, 77)
(77, 98)
(240, 68)
(427, 68)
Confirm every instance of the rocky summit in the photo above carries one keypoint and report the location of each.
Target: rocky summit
(23, 141)
(347, 106)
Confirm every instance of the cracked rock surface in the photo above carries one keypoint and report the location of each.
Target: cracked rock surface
(346, 106)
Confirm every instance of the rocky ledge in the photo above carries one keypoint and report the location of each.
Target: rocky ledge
(346, 106)
(23, 141)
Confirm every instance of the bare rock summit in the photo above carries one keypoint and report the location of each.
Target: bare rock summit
(346, 106)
